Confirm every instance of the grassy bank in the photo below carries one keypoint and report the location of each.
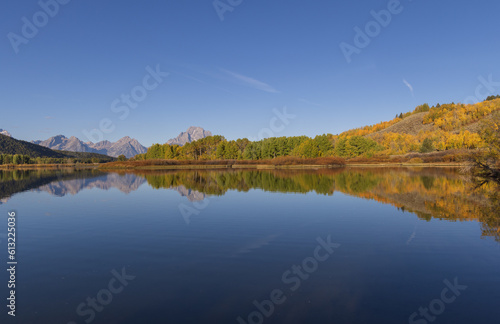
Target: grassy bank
(289, 163)
(282, 162)
(269, 166)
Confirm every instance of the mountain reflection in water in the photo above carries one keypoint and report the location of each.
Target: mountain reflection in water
(440, 193)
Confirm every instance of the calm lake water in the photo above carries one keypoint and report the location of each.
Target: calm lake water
(360, 245)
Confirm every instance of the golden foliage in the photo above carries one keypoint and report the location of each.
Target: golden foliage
(452, 116)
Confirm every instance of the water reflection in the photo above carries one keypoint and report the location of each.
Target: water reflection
(440, 193)
(126, 183)
(427, 192)
(63, 182)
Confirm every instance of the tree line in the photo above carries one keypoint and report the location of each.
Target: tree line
(18, 159)
(218, 148)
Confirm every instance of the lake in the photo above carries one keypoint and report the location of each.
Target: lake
(346, 245)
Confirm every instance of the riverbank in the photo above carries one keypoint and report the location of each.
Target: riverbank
(219, 167)
(281, 162)
(433, 164)
(301, 164)
(124, 167)
(107, 166)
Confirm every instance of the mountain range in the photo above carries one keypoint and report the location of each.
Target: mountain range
(129, 147)
(125, 146)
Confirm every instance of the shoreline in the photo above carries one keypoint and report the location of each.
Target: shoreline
(270, 166)
(406, 164)
(103, 167)
(227, 166)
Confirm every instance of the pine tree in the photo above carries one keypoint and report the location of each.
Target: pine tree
(427, 146)
(221, 150)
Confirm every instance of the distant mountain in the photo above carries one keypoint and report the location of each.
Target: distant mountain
(61, 142)
(191, 135)
(126, 146)
(102, 146)
(4, 132)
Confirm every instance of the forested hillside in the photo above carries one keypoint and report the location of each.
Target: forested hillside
(9, 145)
(437, 128)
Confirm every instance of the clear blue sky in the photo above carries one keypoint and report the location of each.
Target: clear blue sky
(227, 76)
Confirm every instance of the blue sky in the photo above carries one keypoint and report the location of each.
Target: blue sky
(228, 76)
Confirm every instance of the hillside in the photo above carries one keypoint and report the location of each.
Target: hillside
(410, 125)
(9, 145)
(441, 127)
(452, 118)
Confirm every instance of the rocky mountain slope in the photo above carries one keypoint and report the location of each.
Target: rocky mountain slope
(126, 146)
(61, 142)
(192, 134)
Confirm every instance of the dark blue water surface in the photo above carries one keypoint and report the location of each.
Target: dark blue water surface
(340, 246)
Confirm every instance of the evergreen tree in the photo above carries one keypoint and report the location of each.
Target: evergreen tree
(324, 144)
(221, 151)
(427, 146)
